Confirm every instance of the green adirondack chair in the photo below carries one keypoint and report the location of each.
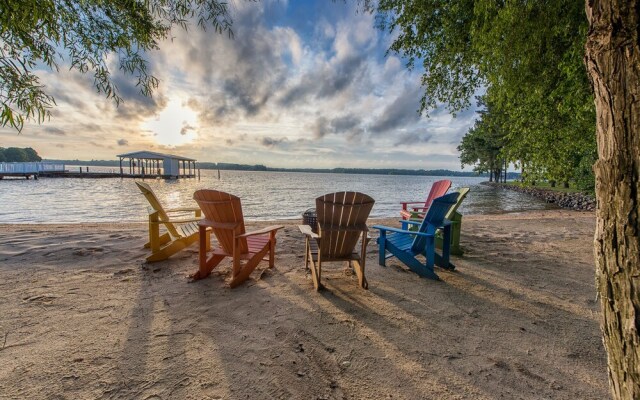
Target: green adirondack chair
(456, 225)
(456, 220)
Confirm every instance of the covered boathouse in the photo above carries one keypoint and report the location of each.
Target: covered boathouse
(152, 164)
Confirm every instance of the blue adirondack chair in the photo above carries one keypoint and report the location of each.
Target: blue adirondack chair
(405, 245)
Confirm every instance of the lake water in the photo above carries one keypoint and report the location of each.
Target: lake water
(265, 195)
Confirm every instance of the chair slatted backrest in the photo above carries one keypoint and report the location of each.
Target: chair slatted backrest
(156, 206)
(434, 219)
(342, 218)
(438, 189)
(223, 207)
(462, 193)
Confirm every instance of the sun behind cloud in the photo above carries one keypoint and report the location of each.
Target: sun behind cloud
(175, 125)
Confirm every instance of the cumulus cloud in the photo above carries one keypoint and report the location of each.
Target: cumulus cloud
(271, 142)
(186, 128)
(347, 125)
(412, 138)
(307, 80)
(134, 105)
(235, 138)
(52, 130)
(401, 112)
(320, 127)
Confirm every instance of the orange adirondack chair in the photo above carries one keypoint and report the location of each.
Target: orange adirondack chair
(342, 221)
(438, 189)
(223, 214)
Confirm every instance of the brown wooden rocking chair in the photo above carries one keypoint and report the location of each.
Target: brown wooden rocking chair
(342, 221)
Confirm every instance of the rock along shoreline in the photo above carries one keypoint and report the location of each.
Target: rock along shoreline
(573, 201)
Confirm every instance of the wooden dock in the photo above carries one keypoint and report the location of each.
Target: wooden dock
(28, 170)
(37, 170)
(25, 175)
(98, 175)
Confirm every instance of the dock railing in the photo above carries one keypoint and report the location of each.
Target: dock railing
(30, 167)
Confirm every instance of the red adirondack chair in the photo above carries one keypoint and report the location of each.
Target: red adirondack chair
(438, 189)
(223, 215)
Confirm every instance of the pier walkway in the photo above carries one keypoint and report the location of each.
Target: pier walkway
(35, 170)
(29, 170)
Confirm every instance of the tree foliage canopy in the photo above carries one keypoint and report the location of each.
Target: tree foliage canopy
(92, 36)
(526, 57)
(16, 154)
(483, 144)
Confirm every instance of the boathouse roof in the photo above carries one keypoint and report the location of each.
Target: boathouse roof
(152, 155)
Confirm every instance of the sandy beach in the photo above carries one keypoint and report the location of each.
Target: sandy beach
(83, 317)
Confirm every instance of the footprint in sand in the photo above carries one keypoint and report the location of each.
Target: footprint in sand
(40, 298)
(87, 251)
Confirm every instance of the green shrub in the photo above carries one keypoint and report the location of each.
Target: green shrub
(584, 176)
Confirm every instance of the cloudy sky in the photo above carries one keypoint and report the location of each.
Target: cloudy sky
(302, 84)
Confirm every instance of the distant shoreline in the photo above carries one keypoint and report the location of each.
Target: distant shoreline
(263, 168)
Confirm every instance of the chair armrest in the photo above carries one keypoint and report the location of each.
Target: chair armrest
(262, 231)
(180, 221)
(219, 225)
(412, 202)
(174, 210)
(175, 221)
(404, 224)
(306, 230)
(420, 208)
(154, 219)
(397, 230)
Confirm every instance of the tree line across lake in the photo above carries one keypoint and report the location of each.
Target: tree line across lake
(260, 167)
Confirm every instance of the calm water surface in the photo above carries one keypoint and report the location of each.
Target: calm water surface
(265, 195)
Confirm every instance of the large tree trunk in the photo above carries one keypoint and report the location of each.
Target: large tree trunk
(613, 63)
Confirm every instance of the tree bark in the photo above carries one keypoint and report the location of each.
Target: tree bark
(613, 63)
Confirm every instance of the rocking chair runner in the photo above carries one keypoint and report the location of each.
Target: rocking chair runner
(341, 222)
(223, 214)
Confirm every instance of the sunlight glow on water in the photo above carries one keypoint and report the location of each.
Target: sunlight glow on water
(265, 195)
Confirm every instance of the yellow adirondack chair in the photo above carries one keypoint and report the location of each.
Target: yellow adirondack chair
(342, 221)
(180, 232)
(223, 214)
